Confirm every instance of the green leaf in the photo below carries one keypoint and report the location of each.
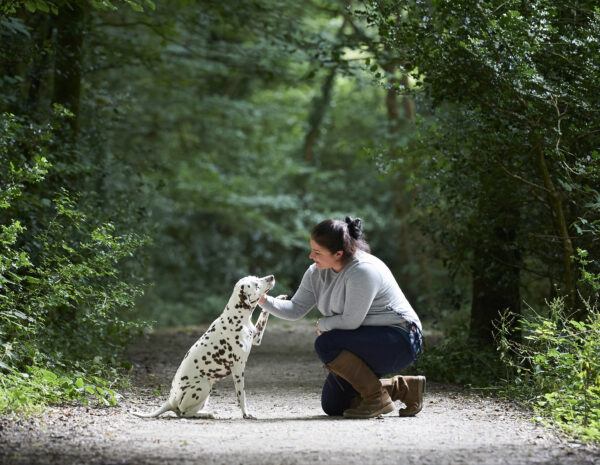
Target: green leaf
(79, 383)
(48, 375)
(30, 5)
(135, 6)
(43, 6)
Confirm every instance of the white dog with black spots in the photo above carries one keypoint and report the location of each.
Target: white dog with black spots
(222, 350)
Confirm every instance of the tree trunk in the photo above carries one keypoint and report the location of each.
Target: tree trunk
(66, 92)
(410, 110)
(68, 65)
(320, 106)
(568, 251)
(495, 274)
(39, 64)
(407, 249)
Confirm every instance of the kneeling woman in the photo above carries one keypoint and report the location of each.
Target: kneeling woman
(369, 329)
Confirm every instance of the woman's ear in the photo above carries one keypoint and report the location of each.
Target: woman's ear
(338, 254)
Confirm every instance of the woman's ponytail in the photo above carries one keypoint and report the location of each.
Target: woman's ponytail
(354, 227)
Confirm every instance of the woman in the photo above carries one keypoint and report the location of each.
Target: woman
(368, 329)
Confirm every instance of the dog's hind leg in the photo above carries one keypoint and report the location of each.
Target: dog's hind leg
(195, 400)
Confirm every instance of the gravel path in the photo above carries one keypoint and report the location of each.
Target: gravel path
(283, 380)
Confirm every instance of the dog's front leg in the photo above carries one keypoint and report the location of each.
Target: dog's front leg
(238, 381)
(261, 324)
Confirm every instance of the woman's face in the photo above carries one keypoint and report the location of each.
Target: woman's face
(323, 258)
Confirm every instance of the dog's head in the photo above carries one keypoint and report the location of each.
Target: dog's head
(251, 288)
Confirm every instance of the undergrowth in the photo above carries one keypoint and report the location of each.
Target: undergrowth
(31, 391)
(556, 369)
(67, 280)
(548, 359)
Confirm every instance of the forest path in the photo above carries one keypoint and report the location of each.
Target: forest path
(283, 382)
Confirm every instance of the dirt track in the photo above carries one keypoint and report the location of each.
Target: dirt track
(283, 380)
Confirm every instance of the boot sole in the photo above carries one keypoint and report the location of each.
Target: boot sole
(386, 409)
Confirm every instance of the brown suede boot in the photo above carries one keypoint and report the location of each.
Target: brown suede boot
(374, 399)
(407, 389)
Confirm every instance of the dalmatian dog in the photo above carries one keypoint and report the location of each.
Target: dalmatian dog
(222, 350)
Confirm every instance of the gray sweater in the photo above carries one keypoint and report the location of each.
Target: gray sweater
(363, 293)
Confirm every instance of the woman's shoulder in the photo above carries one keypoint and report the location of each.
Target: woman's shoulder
(366, 260)
(365, 265)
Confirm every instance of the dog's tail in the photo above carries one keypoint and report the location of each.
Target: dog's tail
(165, 408)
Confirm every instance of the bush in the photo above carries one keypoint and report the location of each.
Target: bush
(38, 387)
(557, 368)
(458, 360)
(63, 293)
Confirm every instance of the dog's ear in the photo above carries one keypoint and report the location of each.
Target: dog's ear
(243, 297)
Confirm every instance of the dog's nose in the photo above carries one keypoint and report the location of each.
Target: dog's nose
(270, 278)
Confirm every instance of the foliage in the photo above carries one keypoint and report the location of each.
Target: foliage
(557, 368)
(218, 141)
(61, 306)
(451, 356)
(30, 391)
(505, 154)
(459, 360)
(225, 130)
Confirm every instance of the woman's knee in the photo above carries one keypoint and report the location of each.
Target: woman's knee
(323, 348)
(335, 396)
(333, 409)
(327, 346)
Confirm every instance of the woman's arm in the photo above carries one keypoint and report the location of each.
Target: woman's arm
(299, 305)
(361, 288)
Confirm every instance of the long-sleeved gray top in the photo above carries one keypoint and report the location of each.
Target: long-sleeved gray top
(363, 293)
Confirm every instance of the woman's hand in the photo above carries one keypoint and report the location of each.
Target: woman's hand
(319, 332)
(262, 300)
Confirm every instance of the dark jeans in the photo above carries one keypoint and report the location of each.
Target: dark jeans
(385, 349)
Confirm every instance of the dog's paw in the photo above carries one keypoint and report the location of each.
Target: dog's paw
(283, 297)
(247, 416)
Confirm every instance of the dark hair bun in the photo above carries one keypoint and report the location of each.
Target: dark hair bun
(354, 227)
